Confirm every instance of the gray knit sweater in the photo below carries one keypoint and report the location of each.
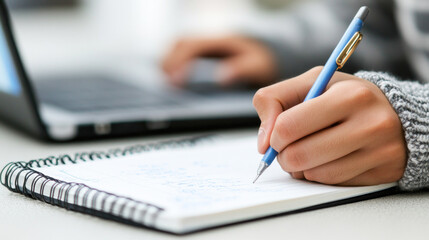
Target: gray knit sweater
(411, 102)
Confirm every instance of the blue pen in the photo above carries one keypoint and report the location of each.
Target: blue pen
(338, 58)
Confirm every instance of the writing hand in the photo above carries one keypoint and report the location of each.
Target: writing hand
(350, 135)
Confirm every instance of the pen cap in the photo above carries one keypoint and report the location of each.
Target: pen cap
(362, 13)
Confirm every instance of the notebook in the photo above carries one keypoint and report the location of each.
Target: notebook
(175, 186)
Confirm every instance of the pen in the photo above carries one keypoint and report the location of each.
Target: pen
(338, 58)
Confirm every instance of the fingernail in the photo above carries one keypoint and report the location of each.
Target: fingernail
(261, 138)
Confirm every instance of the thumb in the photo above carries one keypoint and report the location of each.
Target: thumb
(271, 101)
(268, 109)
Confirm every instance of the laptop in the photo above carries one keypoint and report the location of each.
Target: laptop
(92, 104)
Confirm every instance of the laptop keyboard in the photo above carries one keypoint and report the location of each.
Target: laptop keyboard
(97, 93)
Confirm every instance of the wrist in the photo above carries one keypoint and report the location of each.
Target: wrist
(408, 100)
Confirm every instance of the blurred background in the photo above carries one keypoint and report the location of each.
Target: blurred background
(52, 33)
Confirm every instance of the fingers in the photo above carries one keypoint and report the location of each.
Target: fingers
(336, 105)
(360, 167)
(342, 169)
(176, 62)
(237, 68)
(390, 167)
(308, 118)
(380, 175)
(297, 175)
(188, 49)
(271, 101)
(321, 147)
(254, 64)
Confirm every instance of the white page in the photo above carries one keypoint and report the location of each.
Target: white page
(212, 177)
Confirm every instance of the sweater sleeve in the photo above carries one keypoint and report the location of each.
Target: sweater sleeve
(411, 102)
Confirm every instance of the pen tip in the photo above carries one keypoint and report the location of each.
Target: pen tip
(257, 176)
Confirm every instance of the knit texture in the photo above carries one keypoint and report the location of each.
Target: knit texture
(411, 102)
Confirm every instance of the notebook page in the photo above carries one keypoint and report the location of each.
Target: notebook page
(212, 177)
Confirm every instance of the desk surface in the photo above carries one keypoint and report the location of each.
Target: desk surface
(401, 216)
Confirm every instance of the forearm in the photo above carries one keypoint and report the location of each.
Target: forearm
(411, 102)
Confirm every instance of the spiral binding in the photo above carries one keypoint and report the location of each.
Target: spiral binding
(22, 177)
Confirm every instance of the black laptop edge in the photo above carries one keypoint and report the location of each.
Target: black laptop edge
(20, 111)
(23, 111)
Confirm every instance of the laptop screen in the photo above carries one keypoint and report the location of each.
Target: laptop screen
(9, 82)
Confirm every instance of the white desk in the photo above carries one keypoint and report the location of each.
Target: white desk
(403, 216)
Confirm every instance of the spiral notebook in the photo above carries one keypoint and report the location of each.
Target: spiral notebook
(177, 186)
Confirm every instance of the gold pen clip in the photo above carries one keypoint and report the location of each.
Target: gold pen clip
(349, 49)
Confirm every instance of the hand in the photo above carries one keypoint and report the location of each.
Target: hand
(243, 59)
(350, 135)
